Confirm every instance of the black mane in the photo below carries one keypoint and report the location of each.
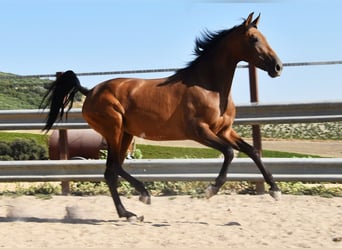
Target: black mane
(208, 41)
(203, 45)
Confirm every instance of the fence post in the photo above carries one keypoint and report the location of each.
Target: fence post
(254, 97)
(63, 150)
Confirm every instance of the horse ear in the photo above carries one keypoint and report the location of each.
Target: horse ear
(249, 20)
(256, 21)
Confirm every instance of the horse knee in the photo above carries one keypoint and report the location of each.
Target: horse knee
(229, 154)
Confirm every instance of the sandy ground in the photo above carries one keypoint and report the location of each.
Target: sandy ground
(179, 221)
(176, 221)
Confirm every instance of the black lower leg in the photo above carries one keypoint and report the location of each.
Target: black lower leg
(112, 179)
(138, 185)
(222, 177)
(254, 155)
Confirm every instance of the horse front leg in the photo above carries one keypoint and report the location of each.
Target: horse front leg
(254, 155)
(212, 189)
(210, 139)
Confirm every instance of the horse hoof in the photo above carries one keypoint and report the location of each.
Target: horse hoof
(211, 191)
(275, 194)
(145, 199)
(134, 219)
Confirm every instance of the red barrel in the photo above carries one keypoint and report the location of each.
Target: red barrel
(85, 143)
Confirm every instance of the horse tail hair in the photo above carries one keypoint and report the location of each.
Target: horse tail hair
(60, 95)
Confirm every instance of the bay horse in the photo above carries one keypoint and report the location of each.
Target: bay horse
(194, 103)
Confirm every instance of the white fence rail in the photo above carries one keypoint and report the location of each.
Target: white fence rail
(292, 169)
(246, 114)
(288, 169)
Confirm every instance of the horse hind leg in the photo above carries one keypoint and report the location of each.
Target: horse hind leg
(110, 126)
(111, 177)
(139, 186)
(117, 147)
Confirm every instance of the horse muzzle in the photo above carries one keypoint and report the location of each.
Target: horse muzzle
(275, 69)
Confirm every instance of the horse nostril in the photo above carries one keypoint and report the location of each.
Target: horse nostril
(278, 67)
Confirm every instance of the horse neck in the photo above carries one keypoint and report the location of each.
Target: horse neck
(216, 76)
(215, 71)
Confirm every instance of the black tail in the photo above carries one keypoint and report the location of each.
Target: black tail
(61, 94)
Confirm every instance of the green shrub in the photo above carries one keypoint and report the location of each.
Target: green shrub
(89, 188)
(300, 188)
(43, 190)
(5, 151)
(27, 149)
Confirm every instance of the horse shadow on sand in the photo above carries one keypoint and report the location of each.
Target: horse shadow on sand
(74, 215)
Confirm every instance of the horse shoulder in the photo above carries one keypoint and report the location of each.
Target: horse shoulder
(212, 114)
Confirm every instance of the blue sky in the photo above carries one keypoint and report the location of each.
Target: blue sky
(45, 36)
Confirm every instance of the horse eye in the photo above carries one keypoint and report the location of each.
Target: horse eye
(253, 39)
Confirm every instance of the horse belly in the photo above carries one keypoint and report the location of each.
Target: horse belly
(155, 129)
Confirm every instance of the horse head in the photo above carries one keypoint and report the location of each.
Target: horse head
(254, 48)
